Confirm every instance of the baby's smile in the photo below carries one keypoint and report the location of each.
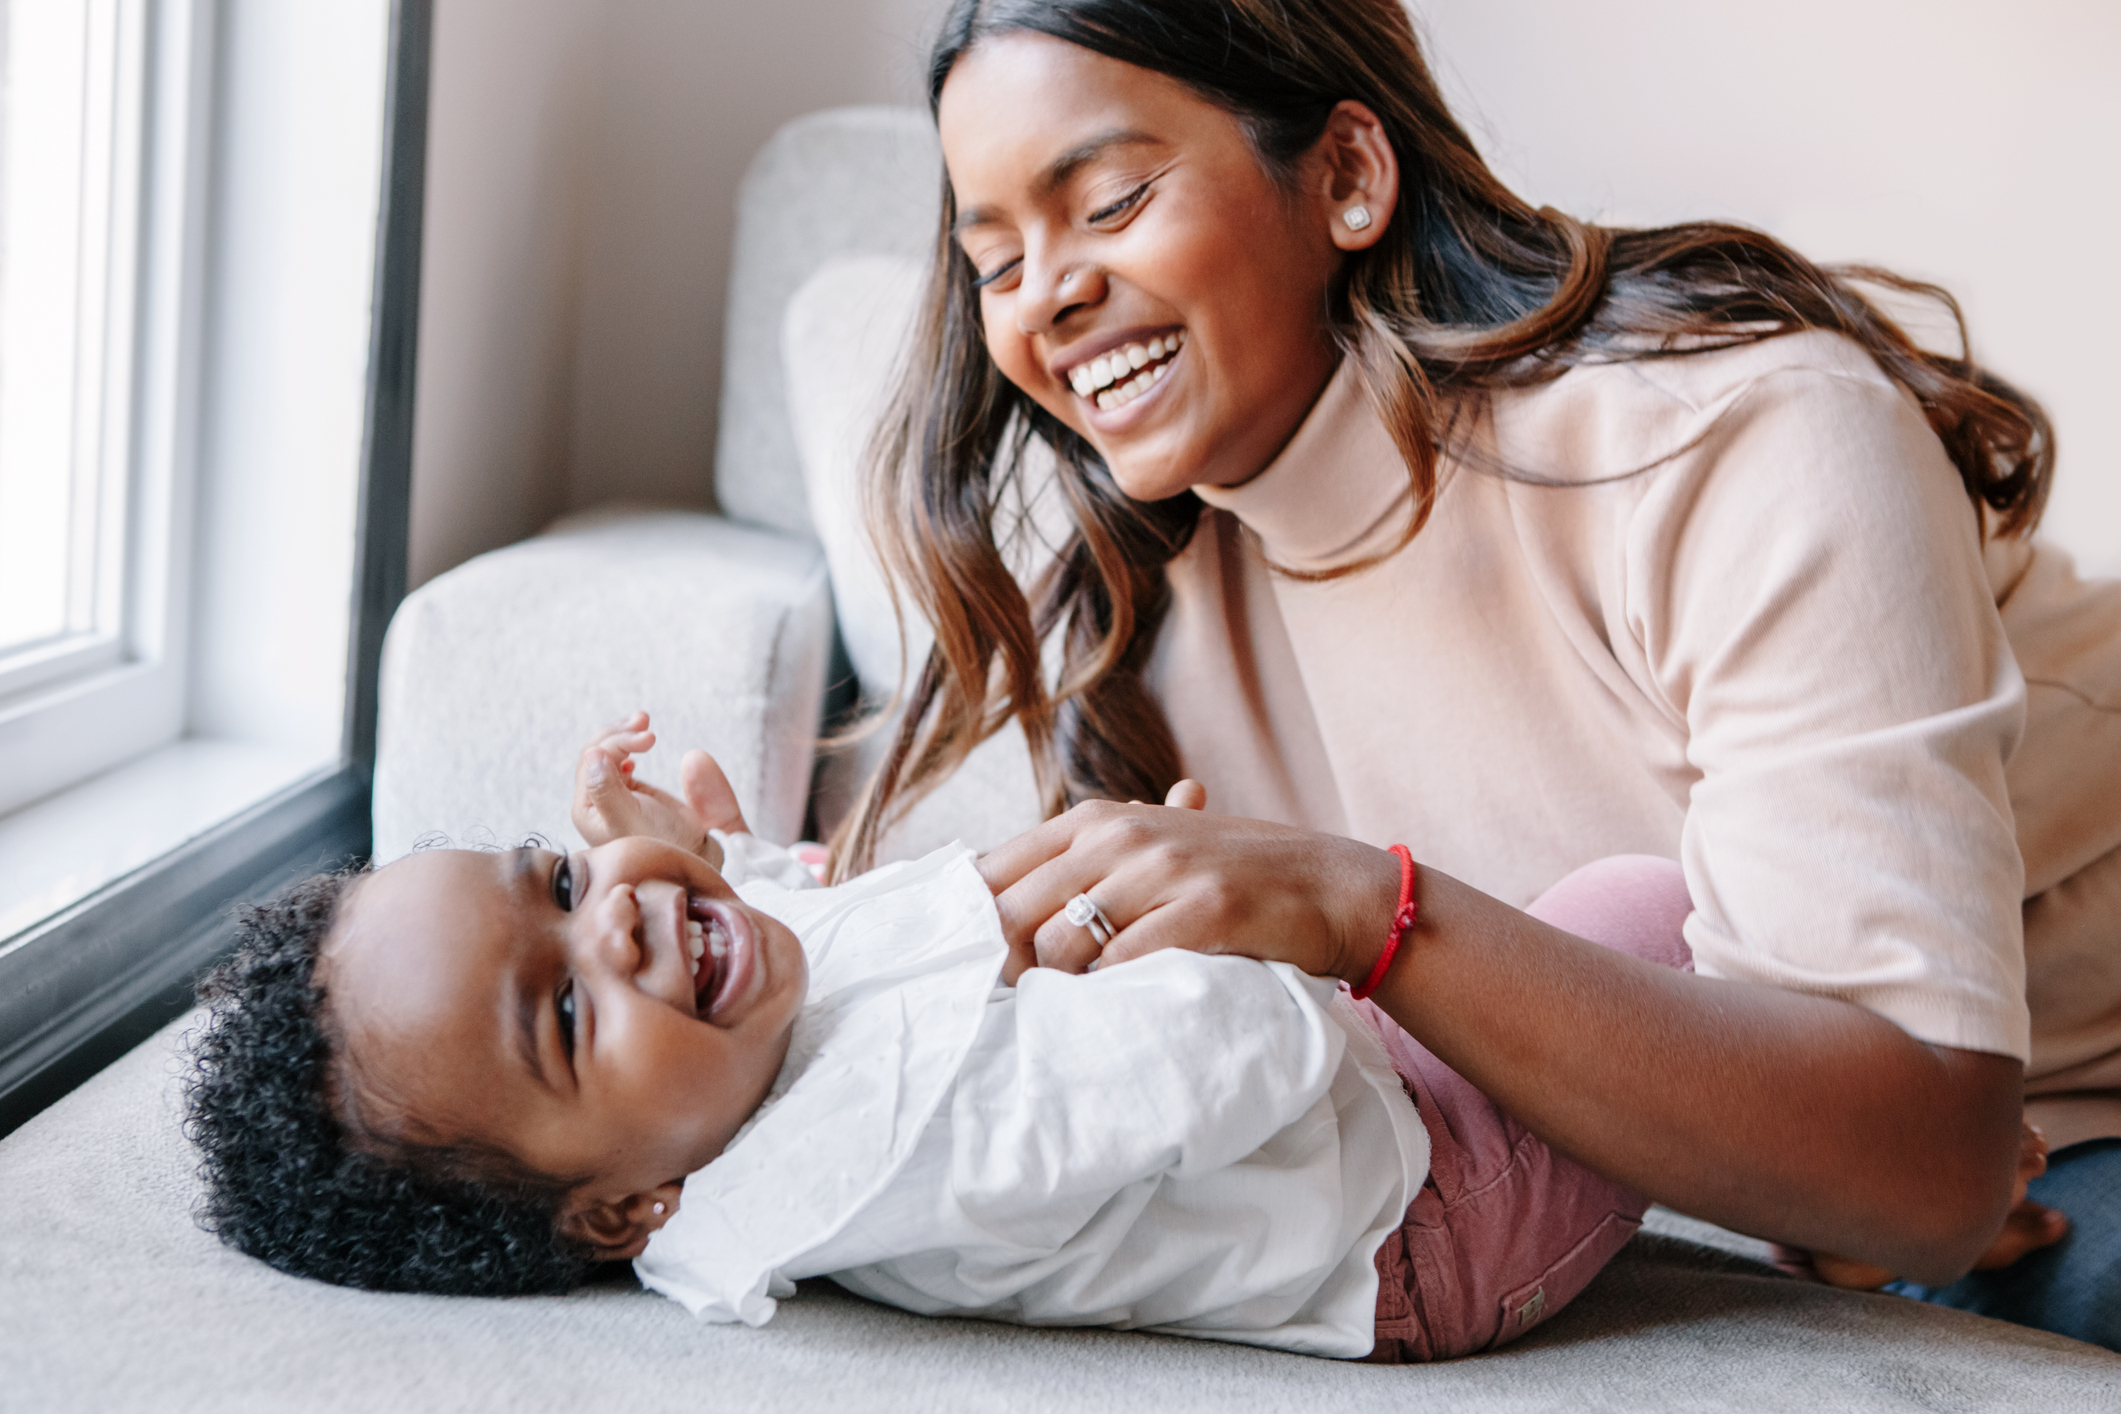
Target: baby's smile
(723, 945)
(608, 1018)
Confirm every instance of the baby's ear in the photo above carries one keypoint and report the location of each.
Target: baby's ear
(618, 1232)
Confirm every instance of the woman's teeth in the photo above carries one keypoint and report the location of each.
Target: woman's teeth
(1115, 379)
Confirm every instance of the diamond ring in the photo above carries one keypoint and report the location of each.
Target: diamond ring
(1083, 912)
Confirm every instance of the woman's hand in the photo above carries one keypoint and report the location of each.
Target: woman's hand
(609, 803)
(1173, 876)
(1805, 1120)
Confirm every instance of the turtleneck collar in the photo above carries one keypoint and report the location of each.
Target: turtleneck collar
(1338, 490)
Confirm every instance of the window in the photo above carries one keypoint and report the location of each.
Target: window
(70, 167)
(98, 151)
(209, 259)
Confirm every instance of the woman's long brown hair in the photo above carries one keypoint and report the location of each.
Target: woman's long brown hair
(1470, 289)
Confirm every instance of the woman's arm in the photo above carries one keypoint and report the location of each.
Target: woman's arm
(1797, 1118)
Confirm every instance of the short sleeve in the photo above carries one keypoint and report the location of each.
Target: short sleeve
(1808, 590)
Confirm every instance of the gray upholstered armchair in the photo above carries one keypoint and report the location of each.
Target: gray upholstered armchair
(721, 626)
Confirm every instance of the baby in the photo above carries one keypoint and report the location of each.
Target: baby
(479, 1072)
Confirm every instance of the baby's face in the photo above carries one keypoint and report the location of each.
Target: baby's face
(612, 1016)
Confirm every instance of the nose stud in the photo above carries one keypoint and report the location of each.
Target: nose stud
(1357, 217)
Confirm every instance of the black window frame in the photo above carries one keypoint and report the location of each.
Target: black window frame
(88, 984)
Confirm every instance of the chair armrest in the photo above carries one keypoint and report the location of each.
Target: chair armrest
(495, 674)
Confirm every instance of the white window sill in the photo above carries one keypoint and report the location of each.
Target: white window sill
(62, 849)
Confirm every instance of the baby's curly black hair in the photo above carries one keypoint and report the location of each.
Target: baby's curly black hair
(285, 1179)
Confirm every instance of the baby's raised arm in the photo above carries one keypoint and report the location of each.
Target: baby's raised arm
(610, 803)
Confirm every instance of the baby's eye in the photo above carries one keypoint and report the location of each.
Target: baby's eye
(563, 885)
(564, 1005)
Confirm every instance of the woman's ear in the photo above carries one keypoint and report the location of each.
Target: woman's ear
(1357, 174)
(618, 1232)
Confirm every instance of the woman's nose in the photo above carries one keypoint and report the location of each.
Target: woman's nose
(1053, 288)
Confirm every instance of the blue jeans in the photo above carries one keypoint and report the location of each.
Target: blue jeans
(2074, 1287)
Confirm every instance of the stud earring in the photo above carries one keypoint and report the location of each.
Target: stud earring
(1357, 217)
(659, 1210)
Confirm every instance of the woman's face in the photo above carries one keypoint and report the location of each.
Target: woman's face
(1142, 277)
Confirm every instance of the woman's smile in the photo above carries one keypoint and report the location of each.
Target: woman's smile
(1140, 274)
(1126, 371)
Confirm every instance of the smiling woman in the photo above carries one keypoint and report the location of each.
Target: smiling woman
(1465, 525)
(1174, 232)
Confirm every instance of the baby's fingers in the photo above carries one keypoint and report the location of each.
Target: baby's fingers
(709, 794)
(626, 743)
(602, 797)
(635, 721)
(627, 737)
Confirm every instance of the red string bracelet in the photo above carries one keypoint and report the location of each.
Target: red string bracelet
(1401, 921)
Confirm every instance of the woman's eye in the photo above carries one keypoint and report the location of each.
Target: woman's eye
(999, 272)
(563, 885)
(564, 1005)
(1121, 207)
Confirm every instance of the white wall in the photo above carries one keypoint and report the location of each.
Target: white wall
(585, 154)
(1963, 141)
(691, 90)
(582, 166)
(511, 117)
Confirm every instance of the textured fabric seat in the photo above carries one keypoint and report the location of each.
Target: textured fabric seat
(111, 1298)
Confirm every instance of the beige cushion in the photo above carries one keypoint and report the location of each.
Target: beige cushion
(495, 674)
(842, 338)
(113, 1300)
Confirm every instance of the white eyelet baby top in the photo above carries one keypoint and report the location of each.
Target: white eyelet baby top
(1207, 1146)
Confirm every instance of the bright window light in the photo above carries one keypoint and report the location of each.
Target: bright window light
(70, 151)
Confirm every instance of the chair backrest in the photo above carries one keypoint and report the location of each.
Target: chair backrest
(848, 181)
(834, 223)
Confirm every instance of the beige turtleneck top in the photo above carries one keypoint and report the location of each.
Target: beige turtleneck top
(1776, 655)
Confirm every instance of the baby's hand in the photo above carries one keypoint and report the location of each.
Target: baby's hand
(610, 804)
